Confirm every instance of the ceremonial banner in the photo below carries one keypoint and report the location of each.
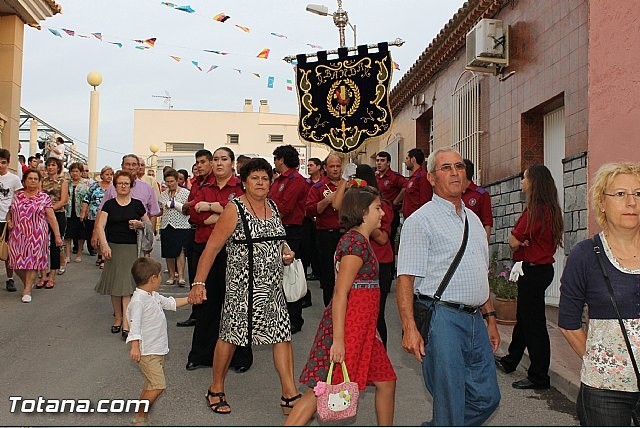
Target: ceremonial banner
(344, 101)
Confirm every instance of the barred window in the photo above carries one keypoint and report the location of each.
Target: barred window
(233, 138)
(276, 138)
(184, 147)
(465, 123)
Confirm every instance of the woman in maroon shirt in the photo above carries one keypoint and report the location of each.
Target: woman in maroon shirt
(534, 240)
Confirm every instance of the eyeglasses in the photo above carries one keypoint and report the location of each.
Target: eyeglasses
(123, 184)
(622, 196)
(447, 167)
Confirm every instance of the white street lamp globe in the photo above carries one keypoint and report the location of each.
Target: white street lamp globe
(154, 148)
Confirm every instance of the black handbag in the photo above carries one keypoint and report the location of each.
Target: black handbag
(422, 313)
(635, 414)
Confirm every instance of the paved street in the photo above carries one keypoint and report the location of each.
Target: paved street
(59, 346)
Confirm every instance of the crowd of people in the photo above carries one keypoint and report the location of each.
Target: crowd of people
(228, 230)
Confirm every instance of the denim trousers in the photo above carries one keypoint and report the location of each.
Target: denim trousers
(459, 369)
(605, 407)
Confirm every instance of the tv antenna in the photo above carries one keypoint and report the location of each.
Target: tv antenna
(166, 99)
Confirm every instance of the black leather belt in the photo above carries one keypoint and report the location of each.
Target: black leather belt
(458, 306)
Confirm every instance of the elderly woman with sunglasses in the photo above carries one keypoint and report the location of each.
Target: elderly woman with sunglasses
(609, 387)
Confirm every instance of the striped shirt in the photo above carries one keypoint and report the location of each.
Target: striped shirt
(430, 239)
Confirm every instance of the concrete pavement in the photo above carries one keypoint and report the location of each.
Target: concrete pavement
(59, 346)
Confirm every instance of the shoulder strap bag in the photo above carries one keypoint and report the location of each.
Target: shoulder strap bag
(635, 414)
(422, 313)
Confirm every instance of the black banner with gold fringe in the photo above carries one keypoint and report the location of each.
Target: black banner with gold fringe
(344, 101)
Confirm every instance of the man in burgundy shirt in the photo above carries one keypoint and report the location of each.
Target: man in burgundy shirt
(308, 256)
(328, 232)
(418, 190)
(208, 197)
(289, 192)
(477, 199)
(390, 184)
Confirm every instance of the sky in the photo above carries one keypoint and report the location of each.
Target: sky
(54, 85)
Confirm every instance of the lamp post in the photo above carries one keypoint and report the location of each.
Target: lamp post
(94, 79)
(153, 159)
(340, 18)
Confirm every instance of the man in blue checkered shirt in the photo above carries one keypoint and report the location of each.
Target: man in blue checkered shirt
(457, 362)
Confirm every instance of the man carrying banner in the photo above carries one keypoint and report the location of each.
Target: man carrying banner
(328, 231)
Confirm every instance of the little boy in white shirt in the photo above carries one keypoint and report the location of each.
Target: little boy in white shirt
(148, 330)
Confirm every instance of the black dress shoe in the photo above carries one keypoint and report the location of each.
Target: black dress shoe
(10, 285)
(502, 365)
(115, 329)
(527, 384)
(239, 369)
(193, 366)
(186, 323)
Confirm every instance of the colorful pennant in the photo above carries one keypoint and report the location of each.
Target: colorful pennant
(264, 53)
(97, 36)
(213, 67)
(177, 58)
(221, 17)
(243, 28)
(270, 82)
(55, 32)
(289, 85)
(186, 8)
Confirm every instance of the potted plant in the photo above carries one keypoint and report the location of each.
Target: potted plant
(505, 292)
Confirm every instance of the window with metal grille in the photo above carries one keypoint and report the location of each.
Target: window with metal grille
(276, 138)
(184, 147)
(465, 120)
(233, 138)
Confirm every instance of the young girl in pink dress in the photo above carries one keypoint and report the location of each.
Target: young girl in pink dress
(347, 331)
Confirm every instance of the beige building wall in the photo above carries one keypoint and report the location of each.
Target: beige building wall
(179, 133)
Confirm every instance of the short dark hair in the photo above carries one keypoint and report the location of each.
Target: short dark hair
(384, 155)
(21, 158)
(58, 163)
(38, 155)
(124, 173)
(184, 173)
(316, 161)
(26, 174)
(355, 205)
(203, 152)
(144, 268)
(288, 154)
(59, 140)
(76, 165)
(255, 164)
(418, 154)
(171, 173)
(468, 166)
(5, 154)
(232, 156)
(365, 172)
(243, 158)
(30, 158)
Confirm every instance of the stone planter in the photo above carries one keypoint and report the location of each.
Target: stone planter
(505, 310)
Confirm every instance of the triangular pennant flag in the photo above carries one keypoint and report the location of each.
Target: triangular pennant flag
(314, 46)
(196, 64)
(243, 28)
(213, 67)
(97, 36)
(289, 85)
(264, 54)
(138, 40)
(69, 32)
(395, 65)
(282, 36)
(186, 8)
(217, 52)
(151, 42)
(116, 43)
(168, 4)
(177, 58)
(270, 82)
(83, 36)
(238, 70)
(221, 17)
(142, 48)
(256, 74)
(55, 32)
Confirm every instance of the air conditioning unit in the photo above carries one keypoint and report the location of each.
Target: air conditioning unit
(487, 46)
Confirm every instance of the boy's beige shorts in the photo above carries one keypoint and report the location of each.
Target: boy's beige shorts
(152, 367)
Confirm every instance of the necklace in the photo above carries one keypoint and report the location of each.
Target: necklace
(254, 211)
(616, 251)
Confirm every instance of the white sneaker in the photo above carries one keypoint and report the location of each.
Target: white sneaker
(26, 298)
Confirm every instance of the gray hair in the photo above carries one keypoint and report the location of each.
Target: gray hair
(431, 160)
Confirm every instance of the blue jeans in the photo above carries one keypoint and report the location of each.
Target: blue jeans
(459, 370)
(605, 407)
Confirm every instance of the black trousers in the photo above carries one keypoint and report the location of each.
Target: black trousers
(326, 243)
(530, 331)
(191, 267)
(395, 223)
(308, 247)
(54, 250)
(385, 277)
(294, 240)
(207, 315)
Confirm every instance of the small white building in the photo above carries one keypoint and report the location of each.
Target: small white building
(180, 133)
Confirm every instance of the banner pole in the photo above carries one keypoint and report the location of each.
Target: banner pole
(396, 42)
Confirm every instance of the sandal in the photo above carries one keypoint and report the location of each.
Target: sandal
(49, 285)
(40, 283)
(170, 281)
(99, 261)
(215, 407)
(102, 265)
(62, 270)
(288, 403)
(182, 282)
(78, 259)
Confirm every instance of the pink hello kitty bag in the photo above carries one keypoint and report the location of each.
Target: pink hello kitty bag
(336, 402)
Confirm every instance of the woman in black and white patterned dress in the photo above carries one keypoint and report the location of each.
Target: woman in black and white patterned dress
(255, 310)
